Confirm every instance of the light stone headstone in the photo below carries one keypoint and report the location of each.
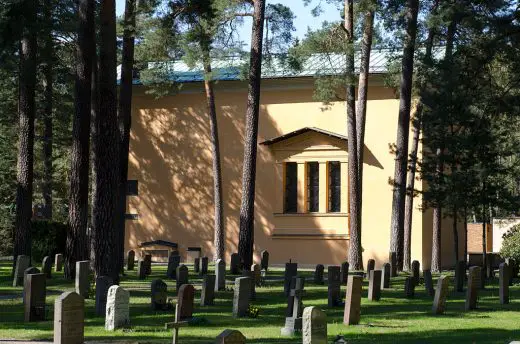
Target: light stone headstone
(241, 296)
(185, 299)
(47, 266)
(182, 276)
(82, 279)
(291, 270)
(257, 277)
(207, 295)
(353, 300)
(474, 284)
(234, 264)
(439, 300)
(69, 318)
(374, 285)
(334, 286)
(314, 326)
(173, 263)
(118, 308)
(264, 261)
(416, 266)
(428, 282)
(35, 290)
(385, 277)
(503, 283)
(103, 283)
(230, 337)
(344, 272)
(58, 262)
(130, 260)
(371, 265)
(220, 275)
(22, 263)
(318, 274)
(158, 295)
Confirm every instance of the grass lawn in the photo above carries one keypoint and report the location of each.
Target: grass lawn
(392, 320)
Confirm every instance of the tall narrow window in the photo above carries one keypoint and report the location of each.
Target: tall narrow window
(291, 188)
(313, 187)
(334, 186)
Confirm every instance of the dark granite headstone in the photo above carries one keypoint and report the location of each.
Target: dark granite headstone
(293, 322)
(392, 258)
(185, 299)
(35, 290)
(334, 286)
(83, 278)
(409, 287)
(385, 277)
(103, 283)
(196, 264)
(503, 283)
(158, 295)
(130, 260)
(207, 295)
(203, 266)
(182, 276)
(230, 337)
(58, 262)
(241, 296)
(353, 300)
(474, 284)
(47, 266)
(318, 274)
(428, 282)
(264, 262)
(235, 264)
(416, 267)
(147, 264)
(173, 264)
(460, 275)
(291, 270)
(344, 272)
(374, 285)
(141, 269)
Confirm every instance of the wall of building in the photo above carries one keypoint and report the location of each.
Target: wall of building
(475, 237)
(500, 227)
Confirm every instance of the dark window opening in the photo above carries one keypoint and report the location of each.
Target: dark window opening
(291, 188)
(334, 187)
(132, 188)
(313, 187)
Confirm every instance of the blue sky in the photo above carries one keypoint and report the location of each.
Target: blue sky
(302, 22)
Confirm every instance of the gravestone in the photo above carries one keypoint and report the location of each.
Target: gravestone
(474, 284)
(173, 263)
(374, 285)
(257, 277)
(158, 295)
(47, 266)
(182, 276)
(130, 260)
(503, 283)
(34, 290)
(249, 273)
(416, 266)
(196, 264)
(234, 264)
(28, 271)
(439, 301)
(344, 272)
(318, 274)
(203, 266)
(385, 276)
(141, 269)
(490, 261)
(207, 295)
(118, 308)
(147, 264)
(241, 296)
(264, 261)
(22, 263)
(353, 300)
(428, 282)
(230, 337)
(69, 318)
(58, 262)
(290, 299)
(185, 299)
(82, 279)
(291, 270)
(371, 264)
(220, 275)
(460, 274)
(392, 258)
(409, 287)
(314, 327)
(334, 286)
(293, 322)
(103, 283)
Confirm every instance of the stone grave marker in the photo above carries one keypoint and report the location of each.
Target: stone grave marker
(416, 266)
(82, 279)
(374, 285)
(58, 262)
(392, 258)
(503, 283)
(257, 277)
(29, 271)
(241, 296)
(196, 264)
(318, 274)
(130, 260)
(353, 300)
(291, 270)
(409, 287)
(118, 308)
(47, 267)
(203, 266)
(290, 299)
(185, 299)
(249, 273)
(141, 269)
(158, 295)
(182, 276)
(314, 326)
(207, 295)
(103, 283)
(293, 322)
(230, 337)
(371, 264)
(428, 282)
(439, 300)
(474, 277)
(34, 290)
(460, 275)
(220, 275)
(147, 264)
(264, 260)
(69, 318)
(385, 276)
(344, 272)
(334, 286)
(22, 263)
(173, 263)
(490, 261)
(234, 264)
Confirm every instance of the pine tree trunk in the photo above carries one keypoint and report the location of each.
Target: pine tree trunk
(437, 222)
(247, 206)
(455, 235)
(26, 112)
(125, 122)
(94, 129)
(465, 236)
(76, 247)
(215, 150)
(484, 223)
(403, 129)
(106, 163)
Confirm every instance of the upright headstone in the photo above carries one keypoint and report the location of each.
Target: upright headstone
(474, 284)
(29, 271)
(173, 263)
(185, 299)
(371, 264)
(103, 283)
(249, 273)
(47, 266)
(314, 326)
(147, 264)
(344, 272)
(22, 263)
(392, 258)
(374, 285)
(58, 262)
(460, 275)
(439, 300)
(264, 261)
(220, 275)
(158, 295)
(490, 261)
(196, 264)
(291, 270)
(83, 278)
(318, 274)
(503, 283)
(234, 264)
(416, 266)
(34, 290)
(118, 308)
(409, 287)
(241, 296)
(182, 276)
(203, 266)
(385, 277)
(257, 277)
(141, 269)
(207, 295)
(69, 318)
(230, 337)
(428, 282)
(293, 322)
(130, 260)
(334, 286)
(353, 300)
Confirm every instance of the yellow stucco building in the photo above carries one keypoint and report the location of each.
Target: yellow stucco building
(301, 206)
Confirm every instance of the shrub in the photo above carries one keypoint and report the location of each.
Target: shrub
(511, 243)
(48, 238)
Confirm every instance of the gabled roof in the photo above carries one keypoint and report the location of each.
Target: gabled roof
(302, 131)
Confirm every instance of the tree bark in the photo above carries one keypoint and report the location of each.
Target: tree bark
(125, 122)
(247, 206)
(403, 130)
(26, 113)
(106, 162)
(455, 235)
(94, 129)
(77, 244)
(465, 236)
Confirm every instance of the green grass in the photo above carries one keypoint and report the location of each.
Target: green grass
(392, 320)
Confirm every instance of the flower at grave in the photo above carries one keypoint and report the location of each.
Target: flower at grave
(253, 311)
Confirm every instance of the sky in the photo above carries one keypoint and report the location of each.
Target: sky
(302, 22)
